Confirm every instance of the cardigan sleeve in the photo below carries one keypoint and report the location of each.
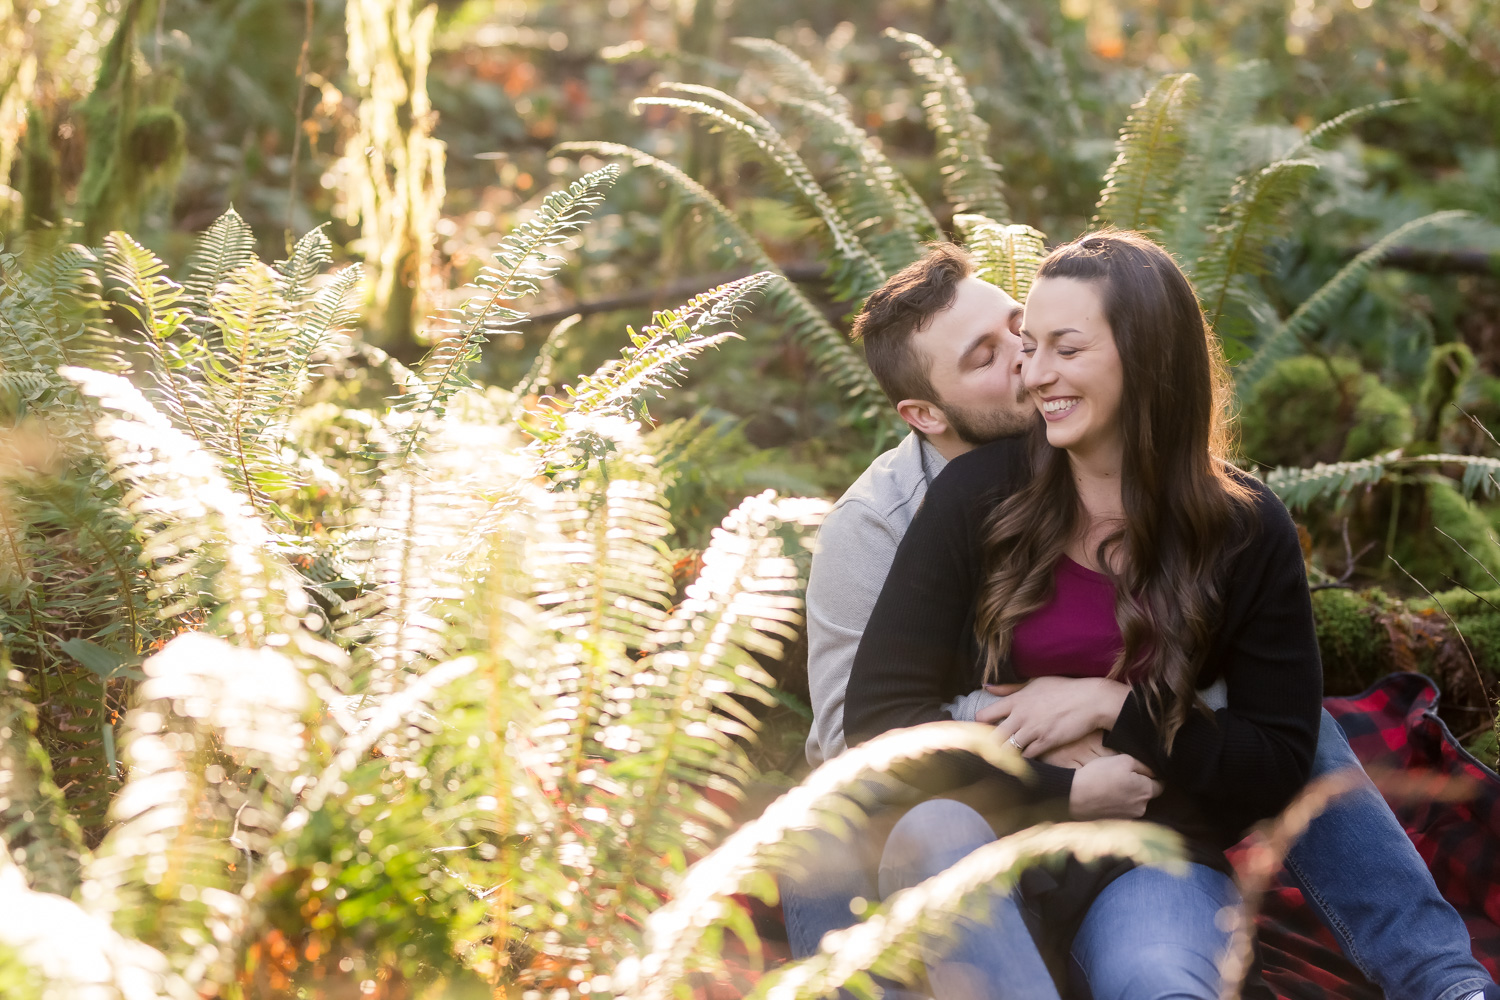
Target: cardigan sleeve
(1247, 760)
(913, 657)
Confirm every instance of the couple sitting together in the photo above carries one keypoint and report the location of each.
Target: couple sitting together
(1066, 554)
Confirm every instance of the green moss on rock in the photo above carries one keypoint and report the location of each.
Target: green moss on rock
(1355, 647)
(1310, 410)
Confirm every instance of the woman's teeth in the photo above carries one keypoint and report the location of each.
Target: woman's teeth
(1059, 406)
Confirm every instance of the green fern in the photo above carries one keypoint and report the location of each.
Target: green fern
(971, 178)
(525, 258)
(1007, 256)
(1320, 307)
(1138, 187)
(1336, 125)
(1237, 247)
(838, 359)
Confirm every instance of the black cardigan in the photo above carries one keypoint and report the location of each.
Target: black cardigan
(1226, 771)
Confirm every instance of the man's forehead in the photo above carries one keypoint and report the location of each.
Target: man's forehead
(979, 307)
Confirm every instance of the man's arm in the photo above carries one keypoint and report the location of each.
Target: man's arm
(853, 553)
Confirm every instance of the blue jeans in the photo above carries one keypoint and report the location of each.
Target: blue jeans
(1355, 866)
(1148, 936)
(1359, 871)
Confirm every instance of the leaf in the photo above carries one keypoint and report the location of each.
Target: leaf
(1139, 185)
(1007, 256)
(106, 663)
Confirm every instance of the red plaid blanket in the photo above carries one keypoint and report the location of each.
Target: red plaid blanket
(1394, 727)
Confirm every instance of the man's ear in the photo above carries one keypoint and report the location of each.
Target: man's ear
(923, 416)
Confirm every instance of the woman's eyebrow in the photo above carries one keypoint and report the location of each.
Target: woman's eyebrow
(1053, 335)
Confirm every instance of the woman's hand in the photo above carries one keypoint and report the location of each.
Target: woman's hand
(1115, 787)
(1079, 752)
(1048, 712)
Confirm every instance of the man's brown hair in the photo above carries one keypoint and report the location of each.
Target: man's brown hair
(901, 307)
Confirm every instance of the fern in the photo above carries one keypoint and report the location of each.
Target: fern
(34, 816)
(525, 258)
(1237, 248)
(1138, 186)
(1320, 307)
(1007, 256)
(1324, 131)
(839, 360)
(1299, 487)
(971, 179)
(857, 273)
(910, 928)
(226, 247)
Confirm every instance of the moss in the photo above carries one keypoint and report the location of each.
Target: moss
(1449, 366)
(1382, 421)
(1310, 410)
(1477, 614)
(157, 138)
(1451, 542)
(1355, 647)
(1486, 747)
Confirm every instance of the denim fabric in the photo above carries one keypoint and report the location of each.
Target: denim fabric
(989, 958)
(1151, 935)
(1360, 873)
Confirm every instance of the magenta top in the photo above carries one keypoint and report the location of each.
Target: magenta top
(1074, 634)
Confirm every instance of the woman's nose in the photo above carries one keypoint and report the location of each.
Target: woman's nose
(1035, 371)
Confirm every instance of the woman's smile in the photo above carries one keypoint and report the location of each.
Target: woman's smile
(1058, 407)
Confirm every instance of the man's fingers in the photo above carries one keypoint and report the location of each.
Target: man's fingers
(993, 712)
(1157, 788)
(1140, 768)
(1004, 690)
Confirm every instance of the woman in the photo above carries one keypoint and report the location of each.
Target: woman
(1134, 570)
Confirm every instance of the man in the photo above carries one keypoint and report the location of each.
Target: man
(942, 344)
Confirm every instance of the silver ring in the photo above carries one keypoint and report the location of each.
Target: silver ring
(1012, 742)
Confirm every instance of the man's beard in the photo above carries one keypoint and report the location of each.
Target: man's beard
(981, 426)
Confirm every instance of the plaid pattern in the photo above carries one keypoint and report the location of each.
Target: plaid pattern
(1392, 727)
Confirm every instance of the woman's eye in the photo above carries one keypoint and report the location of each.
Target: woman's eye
(1066, 352)
(1028, 349)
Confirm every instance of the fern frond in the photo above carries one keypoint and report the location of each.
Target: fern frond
(1139, 185)
(225, 247)
(1324, 131)
(913, 926)
(539, 376)
(675, 933)
(1237, 248)
(1299, 487)
(205, 545)
(162, 307)
(1213, 159)
(836, 357)
(656, 355)
(312, 253)
(1007, 256)
(857, 271)
(34, 816)
(1320, 307)
(971, 178)
(210, 715)
(525, 258)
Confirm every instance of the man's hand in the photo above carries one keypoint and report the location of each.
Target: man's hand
(1079, 752)
(1048, 712)
(1116, 787)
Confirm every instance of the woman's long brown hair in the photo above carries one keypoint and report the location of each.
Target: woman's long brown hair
(1182, 506)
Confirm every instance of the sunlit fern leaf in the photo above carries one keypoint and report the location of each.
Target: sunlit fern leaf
(1007, 256)
(915, 926)
(318, 320)
(525, 259)
(1139, 185)
(1237, 247)
(1299, 487)
(836, 357)
(205, 546)
(312, 253)
(34, 816)
(1324, 131)
(1213, 160)
(857, 272)
(864, 163)
(655, 356)
(676, 932)
(210, 716)
(971, 178)
(162, 308)
(1320, 307)
(687, 719)
(224, 248)
(72, 952)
